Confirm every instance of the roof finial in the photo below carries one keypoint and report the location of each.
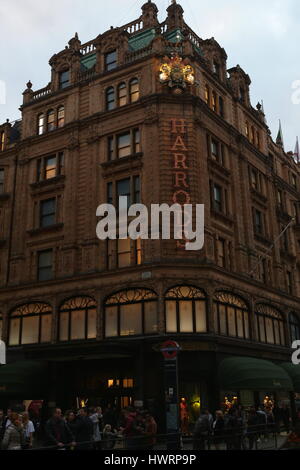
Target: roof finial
(173, 1)
(279, 140)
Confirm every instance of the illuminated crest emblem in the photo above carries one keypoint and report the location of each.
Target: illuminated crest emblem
(177, 73)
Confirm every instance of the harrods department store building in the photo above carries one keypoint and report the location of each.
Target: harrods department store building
(149, 111)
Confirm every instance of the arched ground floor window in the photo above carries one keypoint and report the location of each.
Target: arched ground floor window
(131, 313)
(185, 310)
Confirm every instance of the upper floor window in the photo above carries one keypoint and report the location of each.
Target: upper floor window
(78, 319)
(294, 180)
(45, 265)
(50, 120)
(110, 60)
(134, 90)
(294, 327)
(30, 324)
(1, 180)
(64, 79)
(247, 129)
(207, 95)
(214, 101)
(219, 199)
(61, 116)
(124, 145)
(123, 253)
(47, 212)
(186, 310)
(41, 124)
(2, 140)
(258, 222)
(270, 325)
(129, 187)
(49, 167)
(231, 315)
(110, 98)
(221, 253)
(131, 313)
(122, 94)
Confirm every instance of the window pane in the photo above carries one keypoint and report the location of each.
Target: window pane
(92, 324)
(124, 145)
(46, 328)
(277, 332)
(111, 322)
(50, 168)
(122, 94)
(270, 332)
(64, 327)
(111, 60)
(78, 324)
(30, 330)
(1, 327)
(64, 79)
(171, 320)
(262, 331)
(231, 321)
(151, 318)
(14, 331)
(186, 316)
(247, 332)
(200, 307)
(131, 319)
(223, 324)
(240, 324)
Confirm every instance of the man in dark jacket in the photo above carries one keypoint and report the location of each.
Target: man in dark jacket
(202, 430)
(58, 432)
(84, 430)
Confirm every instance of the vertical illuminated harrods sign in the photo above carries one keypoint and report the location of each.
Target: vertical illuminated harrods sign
(178, 75)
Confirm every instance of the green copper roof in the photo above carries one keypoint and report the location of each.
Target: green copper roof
(88, 61)
(174, 36)
(137, 42)
(141, 40)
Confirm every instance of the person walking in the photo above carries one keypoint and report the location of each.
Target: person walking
(150, 431)
(109, 438)
(14, 438)
(218, 429)
(252, 424)
(85, 430)
(29, 430)
(202, 430)
(58, 432)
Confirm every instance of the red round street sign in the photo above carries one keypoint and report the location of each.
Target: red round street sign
(170, 349)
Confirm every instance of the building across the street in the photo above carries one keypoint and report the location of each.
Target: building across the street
(149, 111)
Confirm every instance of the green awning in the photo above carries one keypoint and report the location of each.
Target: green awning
(294, 372)
(23, 379)
(245, 373)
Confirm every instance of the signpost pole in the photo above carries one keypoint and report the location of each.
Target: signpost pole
(170, 351)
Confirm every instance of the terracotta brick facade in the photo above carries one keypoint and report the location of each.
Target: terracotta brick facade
(230, 154)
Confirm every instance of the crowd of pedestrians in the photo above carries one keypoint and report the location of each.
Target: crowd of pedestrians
(85, 429)
(92, 428)
(237, 429)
